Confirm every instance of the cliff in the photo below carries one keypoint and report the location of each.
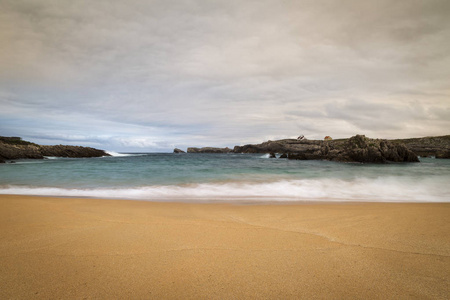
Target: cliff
(16, 148)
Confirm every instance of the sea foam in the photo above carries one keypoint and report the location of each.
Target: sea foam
(117, 154)
(373, 190)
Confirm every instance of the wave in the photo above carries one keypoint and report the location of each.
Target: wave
(371, 190)
(117, 154)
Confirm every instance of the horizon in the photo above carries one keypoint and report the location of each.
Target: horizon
(212, 146)
(154, 76)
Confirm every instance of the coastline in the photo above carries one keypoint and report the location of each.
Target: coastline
(54, 247)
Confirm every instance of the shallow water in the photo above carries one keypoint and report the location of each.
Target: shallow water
(206, 177)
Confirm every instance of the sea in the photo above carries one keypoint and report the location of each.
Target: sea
(245, 178)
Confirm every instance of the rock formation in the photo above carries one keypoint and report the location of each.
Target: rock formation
(361, 149)
(176, 150)
(356, 149)
(16, 148)
(280, 146)
(438, 146)
(208, 150)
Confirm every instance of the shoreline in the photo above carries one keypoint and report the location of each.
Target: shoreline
(72, 247)
(233, 200)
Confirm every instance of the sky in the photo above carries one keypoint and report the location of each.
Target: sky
(148, 76)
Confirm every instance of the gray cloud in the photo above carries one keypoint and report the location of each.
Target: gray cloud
(153, 74)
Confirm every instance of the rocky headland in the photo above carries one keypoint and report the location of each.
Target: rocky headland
(358, 148)
(15, 148)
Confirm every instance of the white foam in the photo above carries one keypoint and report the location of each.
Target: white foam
(375, 190)
(117, 154)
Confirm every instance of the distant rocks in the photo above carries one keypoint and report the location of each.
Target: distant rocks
(176, 150)
(209, 150)
(358, 148)
(16, 148)
(355, 149)
(281, 146)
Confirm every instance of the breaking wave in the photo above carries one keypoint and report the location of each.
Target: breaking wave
(371, 190)
(117, 154)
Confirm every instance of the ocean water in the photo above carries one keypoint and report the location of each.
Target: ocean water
(227, 177)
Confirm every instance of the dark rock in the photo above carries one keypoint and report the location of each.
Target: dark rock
(272, 155)
(356, 149)
(280, 146)
(443, 154)
(284, 155)
(435, 146)
(71, 151)
(365, 150)
(11, 151)
(297, 156)
(2, 161)
(208, 150)
(176, 150)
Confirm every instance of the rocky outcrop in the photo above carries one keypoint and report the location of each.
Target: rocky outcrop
(16, 148)
(176, 150)
(356, 149)
(71, 151)
(208, 150)
(437, 146)
(10, 151)
(281, 146)
(362, 149)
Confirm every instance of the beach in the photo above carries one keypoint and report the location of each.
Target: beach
(67, 248)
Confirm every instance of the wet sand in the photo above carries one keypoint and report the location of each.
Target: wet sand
(68, 248)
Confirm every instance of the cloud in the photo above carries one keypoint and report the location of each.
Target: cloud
(152, 74)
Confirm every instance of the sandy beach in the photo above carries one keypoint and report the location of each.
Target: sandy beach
(67, 248)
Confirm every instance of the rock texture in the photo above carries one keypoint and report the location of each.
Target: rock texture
(16, 148)
(176, 150)
(438, 146)
(355, 149)
(208, 150)
(362, 149)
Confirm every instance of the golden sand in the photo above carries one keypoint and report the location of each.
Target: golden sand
(68, 248)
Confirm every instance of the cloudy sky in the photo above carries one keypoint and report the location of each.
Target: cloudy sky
(153, 75)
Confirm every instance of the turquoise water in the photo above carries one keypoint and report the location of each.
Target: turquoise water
(207, 177)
